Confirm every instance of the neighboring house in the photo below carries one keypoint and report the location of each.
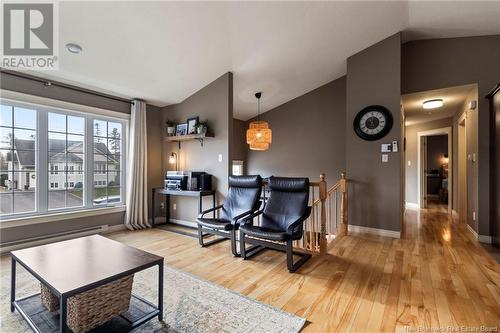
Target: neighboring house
(61, 160)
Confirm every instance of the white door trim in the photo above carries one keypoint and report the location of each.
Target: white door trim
(433, 132)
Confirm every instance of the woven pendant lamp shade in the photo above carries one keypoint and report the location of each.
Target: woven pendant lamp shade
(259, 135)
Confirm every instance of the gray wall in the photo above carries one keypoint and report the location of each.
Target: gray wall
(411, 154)
(213, 103)
(439, 63)
(239, 145)
(155, 128)
(308, 136)
(374, 77)
(26, 86)
(31, 87)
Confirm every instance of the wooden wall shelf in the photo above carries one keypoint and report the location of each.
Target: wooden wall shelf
(189, 137)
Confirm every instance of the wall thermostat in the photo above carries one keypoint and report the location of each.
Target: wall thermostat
(394, 146)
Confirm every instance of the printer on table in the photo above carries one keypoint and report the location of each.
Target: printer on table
(188, 181)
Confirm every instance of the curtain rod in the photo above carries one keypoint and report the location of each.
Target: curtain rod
(49, 83)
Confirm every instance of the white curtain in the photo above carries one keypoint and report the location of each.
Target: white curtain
(136, 216)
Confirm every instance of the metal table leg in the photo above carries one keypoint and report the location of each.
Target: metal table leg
(167, 208)
(160, 291)
(62, 314)
(12, 283)
(153, 207)
(213, 204)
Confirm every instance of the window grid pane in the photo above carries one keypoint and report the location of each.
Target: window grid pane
(107, 163)
(66, 159)
(18, 160)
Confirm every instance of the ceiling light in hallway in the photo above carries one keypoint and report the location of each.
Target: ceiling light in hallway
(433, 104)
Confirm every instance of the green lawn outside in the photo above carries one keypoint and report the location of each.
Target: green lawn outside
(98, 192)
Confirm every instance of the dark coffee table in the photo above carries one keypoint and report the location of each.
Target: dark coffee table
(71, 267)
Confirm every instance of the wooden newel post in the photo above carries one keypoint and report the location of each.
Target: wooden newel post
(344, 215)
(322, 198)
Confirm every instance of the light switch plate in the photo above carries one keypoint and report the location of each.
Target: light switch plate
(385, 158)
(386, 147)
(409, 163)
(220, 157)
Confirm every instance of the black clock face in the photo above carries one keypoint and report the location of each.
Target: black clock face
(373, 122)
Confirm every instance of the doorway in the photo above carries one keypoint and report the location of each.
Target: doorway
(435, 168)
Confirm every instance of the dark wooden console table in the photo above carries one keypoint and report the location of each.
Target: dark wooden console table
(168, 193)
(74, 266)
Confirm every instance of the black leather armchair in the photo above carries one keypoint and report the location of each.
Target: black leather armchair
(282, 220)
(241, 201)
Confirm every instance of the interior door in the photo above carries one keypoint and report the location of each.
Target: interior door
(495, 108)
(423, 172)
(462, 171)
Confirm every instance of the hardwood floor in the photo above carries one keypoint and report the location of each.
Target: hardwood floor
(436, 276)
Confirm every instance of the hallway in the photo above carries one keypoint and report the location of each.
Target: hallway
(463, 277)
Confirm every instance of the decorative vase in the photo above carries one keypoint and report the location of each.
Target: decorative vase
(201, 129)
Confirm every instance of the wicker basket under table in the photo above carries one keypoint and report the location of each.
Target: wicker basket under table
(92, 308)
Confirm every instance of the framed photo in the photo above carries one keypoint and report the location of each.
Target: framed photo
(181, 129)
(191, 125)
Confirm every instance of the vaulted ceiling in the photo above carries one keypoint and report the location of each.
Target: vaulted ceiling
(165, 51)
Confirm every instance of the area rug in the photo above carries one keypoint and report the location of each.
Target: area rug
(190, 305)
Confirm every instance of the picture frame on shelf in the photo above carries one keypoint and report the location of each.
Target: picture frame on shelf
(181, 129)
(192, 123)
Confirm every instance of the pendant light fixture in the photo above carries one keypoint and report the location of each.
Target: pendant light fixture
(259, 135)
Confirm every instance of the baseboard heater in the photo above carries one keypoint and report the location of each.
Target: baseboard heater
(40, 240)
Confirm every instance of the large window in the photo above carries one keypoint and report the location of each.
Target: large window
(57, 160)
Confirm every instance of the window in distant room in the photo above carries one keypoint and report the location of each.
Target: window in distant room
(237, 169)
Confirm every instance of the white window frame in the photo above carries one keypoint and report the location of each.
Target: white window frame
(43, 107)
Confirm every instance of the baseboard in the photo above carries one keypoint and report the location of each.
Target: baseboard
(472, 231)
(480, 238)
(41, 240)
(184, 223)
(175, 221)
(485, 239)
(375, 231)
(114, 228)
(411, 205)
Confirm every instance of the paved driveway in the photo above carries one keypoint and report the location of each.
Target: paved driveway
(25, 201)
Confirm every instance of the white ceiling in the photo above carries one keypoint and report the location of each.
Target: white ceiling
(453, 102)
(165, 51)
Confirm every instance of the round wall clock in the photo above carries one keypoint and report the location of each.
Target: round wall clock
(373, 122)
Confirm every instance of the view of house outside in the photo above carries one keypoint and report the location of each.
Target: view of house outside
(66, 161)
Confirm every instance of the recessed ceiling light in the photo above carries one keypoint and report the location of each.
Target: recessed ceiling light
(433, 104)
(73, 48)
